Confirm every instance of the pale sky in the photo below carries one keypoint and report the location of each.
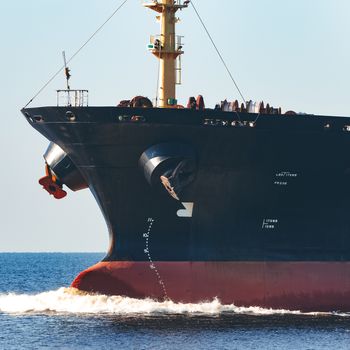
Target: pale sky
(291, 53)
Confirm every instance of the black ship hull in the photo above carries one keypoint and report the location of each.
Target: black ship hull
(258, 214)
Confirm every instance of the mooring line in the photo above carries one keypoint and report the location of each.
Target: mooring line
(218, 52)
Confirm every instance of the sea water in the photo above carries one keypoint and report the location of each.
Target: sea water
(38, 310)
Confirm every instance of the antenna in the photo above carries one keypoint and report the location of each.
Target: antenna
(66, 69)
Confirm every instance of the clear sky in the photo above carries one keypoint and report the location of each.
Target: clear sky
(291, 53)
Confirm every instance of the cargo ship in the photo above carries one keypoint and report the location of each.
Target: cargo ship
(240, 202)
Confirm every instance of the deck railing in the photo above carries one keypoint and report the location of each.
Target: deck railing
(73, 98)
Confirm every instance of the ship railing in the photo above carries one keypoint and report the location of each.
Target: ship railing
(156, 40)
(155, 3)
(72, 98)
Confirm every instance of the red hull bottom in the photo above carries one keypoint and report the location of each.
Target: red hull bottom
(306, 286)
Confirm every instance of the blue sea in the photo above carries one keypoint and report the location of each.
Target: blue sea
(38, 310)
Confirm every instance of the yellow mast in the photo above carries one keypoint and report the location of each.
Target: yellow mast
(166, 49)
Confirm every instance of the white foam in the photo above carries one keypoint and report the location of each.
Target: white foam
(70, 300)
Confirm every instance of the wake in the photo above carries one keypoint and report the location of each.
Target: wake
(72, 301)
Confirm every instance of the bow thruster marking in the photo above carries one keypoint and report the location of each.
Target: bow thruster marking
(152, 265)
(187, 212)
